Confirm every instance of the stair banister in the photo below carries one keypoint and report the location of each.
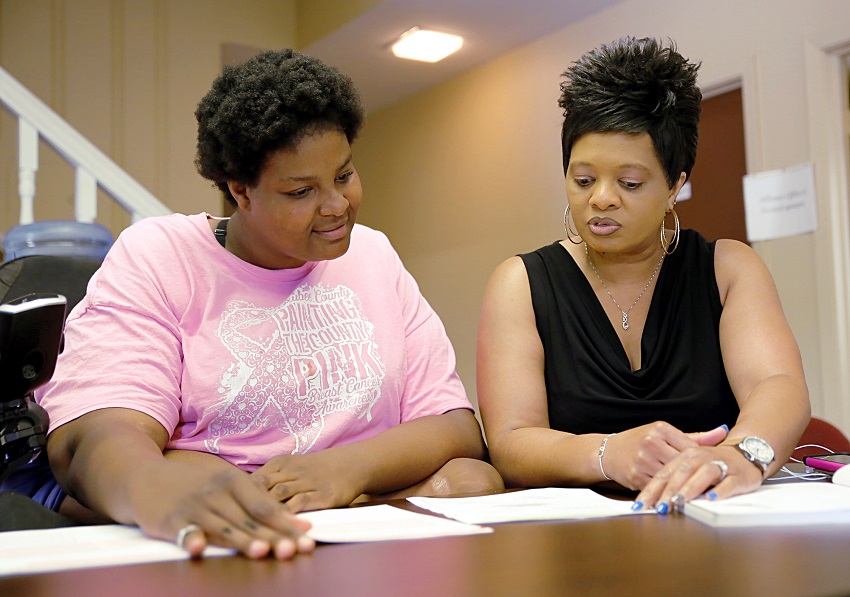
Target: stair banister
(93, 167)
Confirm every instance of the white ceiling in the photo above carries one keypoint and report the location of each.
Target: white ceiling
(360, 48)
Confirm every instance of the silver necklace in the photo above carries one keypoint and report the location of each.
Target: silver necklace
(629, 310)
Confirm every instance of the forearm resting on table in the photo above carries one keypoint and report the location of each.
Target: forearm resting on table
(778, 411)
(408, 453)
(543, 457)
(99, 457)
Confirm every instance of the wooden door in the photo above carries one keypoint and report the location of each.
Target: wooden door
(716, 206)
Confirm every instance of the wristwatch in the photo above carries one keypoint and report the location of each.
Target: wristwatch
(757, 451)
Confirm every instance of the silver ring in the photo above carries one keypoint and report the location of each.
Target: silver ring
(724, 468)
(181, 534)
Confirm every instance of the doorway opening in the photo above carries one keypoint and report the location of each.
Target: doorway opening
(715, 208)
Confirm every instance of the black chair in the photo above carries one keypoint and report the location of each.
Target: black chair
(67, 275)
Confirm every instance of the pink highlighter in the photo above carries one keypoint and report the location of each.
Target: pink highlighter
(827, 462)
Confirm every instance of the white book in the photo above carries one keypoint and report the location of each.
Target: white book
(789, 504)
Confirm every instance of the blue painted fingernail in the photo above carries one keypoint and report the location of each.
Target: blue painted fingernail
(725, 427)
(712, 495)
(637, 506)
(662, 509)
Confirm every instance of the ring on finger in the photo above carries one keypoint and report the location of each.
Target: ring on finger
(724, 468)
(182, 533)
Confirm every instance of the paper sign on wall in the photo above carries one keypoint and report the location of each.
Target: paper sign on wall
(780, 203)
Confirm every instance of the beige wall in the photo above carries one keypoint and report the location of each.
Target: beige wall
(318, 18)
(467, 174)
(128, 75)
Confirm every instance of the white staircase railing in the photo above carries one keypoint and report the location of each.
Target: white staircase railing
(93, 167)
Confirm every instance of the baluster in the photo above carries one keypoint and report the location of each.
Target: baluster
(85, 196)
(27, 167)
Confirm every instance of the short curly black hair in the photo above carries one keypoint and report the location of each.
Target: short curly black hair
(635, 86)
(268, 103)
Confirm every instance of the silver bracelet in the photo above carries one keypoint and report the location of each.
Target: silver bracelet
(602, 453)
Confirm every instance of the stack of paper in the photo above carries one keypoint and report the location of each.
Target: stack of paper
(777, 505)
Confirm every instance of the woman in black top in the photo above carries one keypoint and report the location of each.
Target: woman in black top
(627, 351)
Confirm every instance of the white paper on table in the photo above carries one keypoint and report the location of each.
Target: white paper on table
(382, 523)
(549, 503)
(69, 548)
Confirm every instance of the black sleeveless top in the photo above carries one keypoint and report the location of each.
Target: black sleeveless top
(590, 386)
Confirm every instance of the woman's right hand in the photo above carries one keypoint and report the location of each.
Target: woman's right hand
(112, 461)
(224, 506)
(633, 457)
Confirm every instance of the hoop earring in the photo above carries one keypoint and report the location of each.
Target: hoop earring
(674, 242)
(571, 233)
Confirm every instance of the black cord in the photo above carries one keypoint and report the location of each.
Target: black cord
(221, 232)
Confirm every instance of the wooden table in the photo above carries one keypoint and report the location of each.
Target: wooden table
(634, 555)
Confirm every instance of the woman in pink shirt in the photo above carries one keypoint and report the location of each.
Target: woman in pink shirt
(222, 375)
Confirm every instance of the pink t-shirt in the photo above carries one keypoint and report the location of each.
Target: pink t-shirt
(250, 363)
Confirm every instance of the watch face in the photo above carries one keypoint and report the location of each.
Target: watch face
(758, 449)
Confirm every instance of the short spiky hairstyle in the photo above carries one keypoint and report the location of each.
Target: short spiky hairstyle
(265, 104)
(635, 86)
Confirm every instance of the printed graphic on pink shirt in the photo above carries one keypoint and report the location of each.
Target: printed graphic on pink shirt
(295, 364)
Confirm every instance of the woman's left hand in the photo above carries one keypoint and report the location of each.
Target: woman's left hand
(719, 471)
(311, 481)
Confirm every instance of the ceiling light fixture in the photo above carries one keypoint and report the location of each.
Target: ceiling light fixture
(427, 46)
